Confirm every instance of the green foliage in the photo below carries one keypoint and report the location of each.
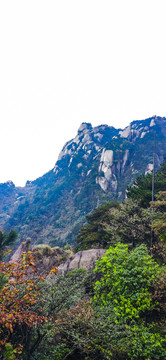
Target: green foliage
(94, 233)
(128, 286)
(141, 190)
(117, 313)
(159, 216)
(145, 343)
(160, 178)
(6, 239)
(113, 222)
(126, 280)
(65, 291)
(61, 294)
(8, 352)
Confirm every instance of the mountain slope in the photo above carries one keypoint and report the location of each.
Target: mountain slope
(94, 167)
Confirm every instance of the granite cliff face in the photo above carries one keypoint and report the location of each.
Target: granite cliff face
(94, 167)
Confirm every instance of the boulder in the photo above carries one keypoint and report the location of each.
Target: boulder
(47, 258)
(83, 259)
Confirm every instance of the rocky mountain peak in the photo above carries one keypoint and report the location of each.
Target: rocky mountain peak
(79, 152)
(95, 166)
(138, 129)
(10, 183)
(84, 127)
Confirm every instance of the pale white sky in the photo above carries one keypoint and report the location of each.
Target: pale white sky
(69, 61)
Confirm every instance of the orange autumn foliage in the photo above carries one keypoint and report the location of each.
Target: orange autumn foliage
(19, 294)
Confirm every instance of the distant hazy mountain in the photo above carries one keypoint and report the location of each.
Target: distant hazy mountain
(94, 167)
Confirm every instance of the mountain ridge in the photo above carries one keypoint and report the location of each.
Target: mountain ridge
(92, 168)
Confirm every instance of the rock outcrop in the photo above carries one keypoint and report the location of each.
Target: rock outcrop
(23, 248)
(85, 259)
(94, 167)
(47, 258)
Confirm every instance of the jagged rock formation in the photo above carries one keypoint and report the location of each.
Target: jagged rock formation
(45, 257)
(83, 259)
(94, 167)
(23, 248)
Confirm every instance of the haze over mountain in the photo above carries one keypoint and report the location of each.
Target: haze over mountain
(94, 167)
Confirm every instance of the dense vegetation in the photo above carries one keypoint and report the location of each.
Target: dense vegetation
(130, 221)
(6, 239)
(115, 312)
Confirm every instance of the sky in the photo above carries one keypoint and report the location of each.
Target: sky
(64, 62)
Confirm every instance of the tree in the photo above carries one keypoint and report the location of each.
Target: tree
(141, 190)
(133, 286)
(125, 320)
(159, 216)
(94, 233)
(113, 222)
(20, 308)
(6, 239)
(125, 279)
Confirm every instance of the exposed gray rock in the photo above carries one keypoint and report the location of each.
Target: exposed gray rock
(83, 259)
(94, 167)
(84, 126)
(24, 247)
(47, 258)
(149, 169)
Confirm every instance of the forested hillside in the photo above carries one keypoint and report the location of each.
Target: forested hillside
(116, 311)
(93, 168)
